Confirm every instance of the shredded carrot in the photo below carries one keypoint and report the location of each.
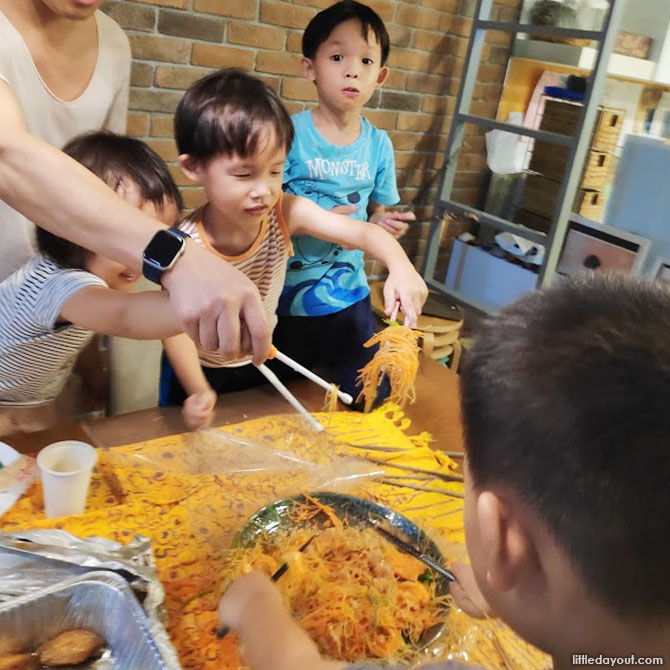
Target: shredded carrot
(328, 511)
(354, 594)
(330, 403)
(398, 359)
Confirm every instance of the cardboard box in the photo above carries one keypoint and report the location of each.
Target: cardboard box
(491, 281)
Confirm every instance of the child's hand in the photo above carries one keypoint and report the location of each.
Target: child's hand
(197, 409)
(407, 286)
(250, 590)
(466, 593)
(344, 210)
(394, 223)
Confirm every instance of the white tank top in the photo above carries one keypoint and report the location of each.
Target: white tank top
(102, 106)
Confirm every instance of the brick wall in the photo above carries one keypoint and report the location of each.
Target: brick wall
(174, 42)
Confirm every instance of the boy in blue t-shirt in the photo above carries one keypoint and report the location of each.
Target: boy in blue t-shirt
(342, 162)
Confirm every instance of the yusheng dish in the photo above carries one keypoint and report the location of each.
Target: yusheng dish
(354, 593)
(397, 358)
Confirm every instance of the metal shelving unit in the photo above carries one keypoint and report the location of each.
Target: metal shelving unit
(578, 144)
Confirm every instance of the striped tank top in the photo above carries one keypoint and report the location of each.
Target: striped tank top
(264, 263)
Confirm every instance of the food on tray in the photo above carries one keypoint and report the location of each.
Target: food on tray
(70, 648)
(356, 595)
(19, 662)
(398, 359)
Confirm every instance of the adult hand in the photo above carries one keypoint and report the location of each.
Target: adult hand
(219, 307)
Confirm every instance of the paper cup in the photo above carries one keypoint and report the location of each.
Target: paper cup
(66, 472)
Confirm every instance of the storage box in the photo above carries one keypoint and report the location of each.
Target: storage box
(601, 248)
(533, 221)
(590, 204)
(608, 129)
(599, 170)
(549, 160)
(541, 195)
(560, 116)
(632, 44)
(491, 281)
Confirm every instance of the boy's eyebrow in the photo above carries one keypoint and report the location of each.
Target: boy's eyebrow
(372, 46)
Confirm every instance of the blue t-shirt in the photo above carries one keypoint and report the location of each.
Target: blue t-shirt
(323, 278)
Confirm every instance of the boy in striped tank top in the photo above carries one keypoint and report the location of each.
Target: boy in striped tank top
(51, 306)
(233, 134)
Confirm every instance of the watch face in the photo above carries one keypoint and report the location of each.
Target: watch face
(163, 248)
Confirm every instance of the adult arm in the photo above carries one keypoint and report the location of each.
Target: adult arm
(217, 305)
(303, 217)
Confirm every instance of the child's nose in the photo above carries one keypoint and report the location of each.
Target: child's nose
(261, 188)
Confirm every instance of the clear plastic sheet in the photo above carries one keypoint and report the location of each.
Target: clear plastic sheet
(253, 473)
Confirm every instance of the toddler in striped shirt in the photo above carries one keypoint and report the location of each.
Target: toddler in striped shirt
(51, 307)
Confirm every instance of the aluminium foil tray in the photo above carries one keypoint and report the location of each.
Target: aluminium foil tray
(98, 601)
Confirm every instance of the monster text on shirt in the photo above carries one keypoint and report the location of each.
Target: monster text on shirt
(322, 166)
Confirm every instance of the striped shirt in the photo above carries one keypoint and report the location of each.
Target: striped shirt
(264, 263)
(37, 353)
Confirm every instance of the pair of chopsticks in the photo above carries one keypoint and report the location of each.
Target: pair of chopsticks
(279, 573)
(293, 401)
(413, 551)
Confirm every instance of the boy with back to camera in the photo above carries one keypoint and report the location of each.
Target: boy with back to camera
(565, 408)
(343, 163)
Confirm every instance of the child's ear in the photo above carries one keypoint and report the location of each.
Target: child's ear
(307, 69)
(506, 541)
(382, 76)
(190, 166)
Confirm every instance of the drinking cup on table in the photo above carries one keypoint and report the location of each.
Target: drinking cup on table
(66, 472)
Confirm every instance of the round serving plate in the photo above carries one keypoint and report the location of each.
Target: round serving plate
(353, 511)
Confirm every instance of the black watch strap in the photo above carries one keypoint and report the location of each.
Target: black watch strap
(154, 272)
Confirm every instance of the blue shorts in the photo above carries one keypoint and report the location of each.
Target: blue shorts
(334, 342)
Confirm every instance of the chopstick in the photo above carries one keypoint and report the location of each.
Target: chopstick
(293, 401)
(294, 365)
(413, 551)
(279, 573)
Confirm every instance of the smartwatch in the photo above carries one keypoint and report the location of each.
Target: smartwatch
(162, 252)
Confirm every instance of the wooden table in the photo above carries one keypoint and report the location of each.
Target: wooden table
(436, 410)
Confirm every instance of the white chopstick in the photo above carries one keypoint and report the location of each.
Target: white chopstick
(274, 380)
(344, 397)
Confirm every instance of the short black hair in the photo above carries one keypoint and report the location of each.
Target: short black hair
(227, 112)
(115, 159)
(319, 28)
(566, 399)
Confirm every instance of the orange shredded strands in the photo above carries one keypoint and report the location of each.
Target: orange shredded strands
(398, 359)
(330, 403)
(354, 594)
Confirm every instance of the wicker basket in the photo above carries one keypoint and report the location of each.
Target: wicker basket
(599, 170)
(590, 204)
(608, 129)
